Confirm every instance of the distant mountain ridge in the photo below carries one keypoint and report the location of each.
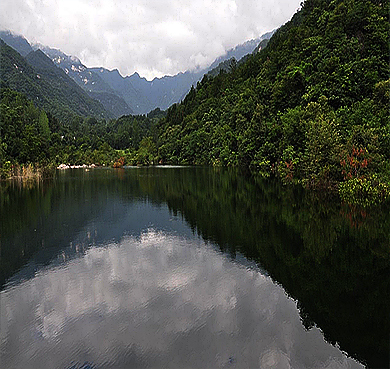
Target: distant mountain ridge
(48, 86)
(241, 50)
(130, 94)
(143, 96)
(17, 42)
(88, 80)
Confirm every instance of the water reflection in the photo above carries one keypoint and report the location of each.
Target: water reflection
(116, 246)
(158, 300)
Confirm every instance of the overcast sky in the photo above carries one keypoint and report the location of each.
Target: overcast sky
(152, 37)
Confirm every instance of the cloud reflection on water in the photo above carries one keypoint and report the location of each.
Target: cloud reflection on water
(158, 300)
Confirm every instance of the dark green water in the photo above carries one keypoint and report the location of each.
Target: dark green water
(189, 268)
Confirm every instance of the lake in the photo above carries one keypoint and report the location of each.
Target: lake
(189, 268)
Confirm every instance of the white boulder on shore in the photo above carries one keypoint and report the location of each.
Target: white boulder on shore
(67, 166)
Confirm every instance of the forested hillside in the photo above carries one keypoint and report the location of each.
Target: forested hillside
(313, 106)
(29, 135)
(46, 85)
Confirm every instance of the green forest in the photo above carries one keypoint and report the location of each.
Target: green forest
(312, 108)
(33, 136)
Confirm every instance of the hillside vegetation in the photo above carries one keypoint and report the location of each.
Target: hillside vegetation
(313, 106)
(29, 135)
(46, 85)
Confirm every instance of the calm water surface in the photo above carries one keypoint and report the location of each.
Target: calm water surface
(188, 268)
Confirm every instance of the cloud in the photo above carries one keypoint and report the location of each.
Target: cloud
(158, 300)
(152, 37)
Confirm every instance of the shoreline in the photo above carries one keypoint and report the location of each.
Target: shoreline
(83, 166)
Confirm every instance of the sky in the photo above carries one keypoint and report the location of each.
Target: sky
(151, 37)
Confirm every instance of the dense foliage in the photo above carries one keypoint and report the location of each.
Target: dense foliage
(302, 108)
(30, 135)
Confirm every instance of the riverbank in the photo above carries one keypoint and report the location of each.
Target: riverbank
(68, 166)
(365, 191)
(26, 172)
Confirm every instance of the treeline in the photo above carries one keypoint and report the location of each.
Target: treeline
(313, 106)
(29, 135)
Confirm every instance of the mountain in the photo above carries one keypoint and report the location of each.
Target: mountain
(112, 103)
(262, 45)
(135, 99)
(17, 42)
(229, 65)
(95, 87)
(73, 67)
(132, 94)
(46, 85)
(89, 81)
(123, 95)
(143, 96)
(241, 50)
